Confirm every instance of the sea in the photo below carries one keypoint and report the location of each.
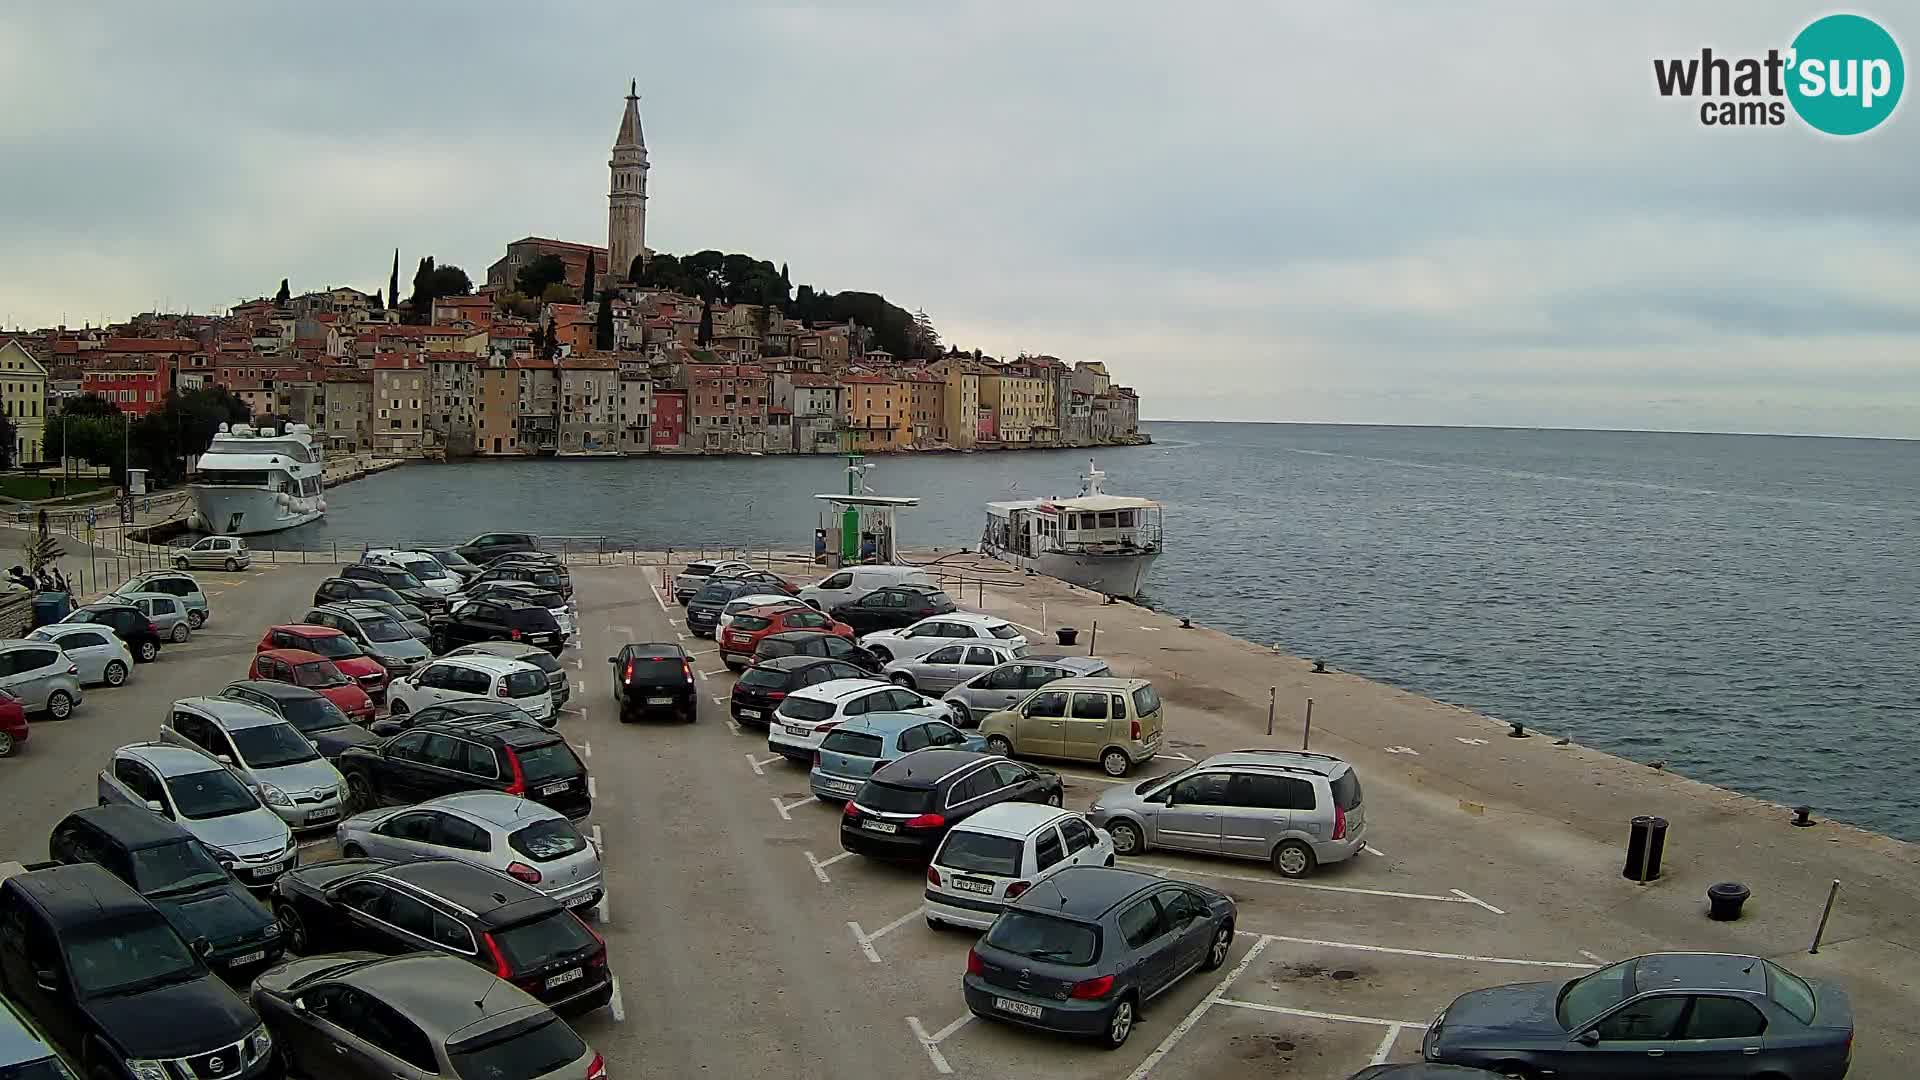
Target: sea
(1740, 609)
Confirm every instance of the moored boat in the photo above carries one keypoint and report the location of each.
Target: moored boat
(258, 481)
(1103, 542)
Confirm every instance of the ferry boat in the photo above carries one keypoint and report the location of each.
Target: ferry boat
(1102, 542)
(258, 481)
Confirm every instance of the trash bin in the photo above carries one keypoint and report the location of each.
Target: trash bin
(1645, 844)
(1066, 635)
(49, 608)
(1725, 900)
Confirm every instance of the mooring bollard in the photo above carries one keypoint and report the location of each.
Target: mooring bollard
(1093, 637)
(1646, 842)
(1306, 734)
(1821, 930)
(1803, 816)
(1725, 899)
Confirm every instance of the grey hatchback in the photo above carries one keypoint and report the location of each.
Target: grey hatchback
(1082, 951)
(1003, 687)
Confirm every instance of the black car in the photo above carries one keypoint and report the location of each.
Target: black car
(467, 709)
(703, 611)
(345, 590)
(111, 981)
(502, 619)
(487, 547)
(813, 643)
(651, 678)
(320, 720)
(518, 757)
(129, 624)
(765, 581)
(179, 876)
(457, 564)
(544, 574)
(893, 607)
(410, 588)
(767, 683)
(445, 906)
(1420, 1070)
(905, 808)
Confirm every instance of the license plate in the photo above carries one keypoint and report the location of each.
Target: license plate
(322, 815)
(554, 789)
(266, 871)
(969, 885)
(247, 958)
(566, 977)
(795, 729)
(880, 826)
(844, 786)
(659, 701)
(1019, 1008)
(755, 713)
(587, 899)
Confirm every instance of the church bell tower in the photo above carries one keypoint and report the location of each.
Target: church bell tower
(627, 193)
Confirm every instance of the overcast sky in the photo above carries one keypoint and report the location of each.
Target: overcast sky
(1471, 213)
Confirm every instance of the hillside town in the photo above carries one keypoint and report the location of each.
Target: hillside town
(600, 361)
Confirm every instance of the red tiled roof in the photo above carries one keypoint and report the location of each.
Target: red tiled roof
(778, 410)
(150, 345)
(810, 380)
(392, 362)
(588, 363)
(725, 371)
(562, 244)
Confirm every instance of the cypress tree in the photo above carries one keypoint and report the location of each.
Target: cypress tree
(393, 283)
(603, 323)
(281, 296)
(706, 321)
(586, 290)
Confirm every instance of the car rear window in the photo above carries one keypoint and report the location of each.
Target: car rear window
(805, 709)
(1043, 937)
(426, 569)
(270, 746)
(716, 591)
(1790, 992)
(893, 799)
(313, 714)
(766, 677)
(384, 629)
(546, 598)
(1004, 631)
(524, 684)
(333, 646)
(545, 841)
(982, 854)
(853, 743)
(548, 761)
(538, 941)
(751, 622)
(534, 618)
(538, 658)
(699, 569)
(654, 669)
(1145, 700)
(534, 1052)
(1346, 790)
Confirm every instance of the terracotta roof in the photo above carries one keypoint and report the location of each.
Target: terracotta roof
(778, 410)
(815, 381)
(561, 244)
(588, 363)
(725, 371)
(150, 345)
(393, 362)
(443, 357)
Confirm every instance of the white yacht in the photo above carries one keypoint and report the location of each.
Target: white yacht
(1102, 542)
(258, 481)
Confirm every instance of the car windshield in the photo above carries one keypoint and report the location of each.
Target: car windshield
(121, 956)
(425, 569)
(545, 841)
(982, 854)
(770, 678)
(540, 659)
(853, 744)
(547, 761)
(1004, 631)
(1141, 787)
(525, 684)
(318, 675)
(400, 579)
(890, 799)
(751, 622)
(1586, 998)
(934, 596)
(382, 628)
(179, 866)
(716, 592)
(549, 937)
(799, 708)
(534, 1052)
(334, 646)
(211, 794)
(272, 745)
(313, 714)
(449, 558)
(1043, 937)
(370, 591)
(45, 1069)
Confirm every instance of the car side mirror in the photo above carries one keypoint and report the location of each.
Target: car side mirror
(46, 978)
(224, 760)
(1589, 1037)
(613, 659)
(156, 806)
(386, 727)
(202, 948)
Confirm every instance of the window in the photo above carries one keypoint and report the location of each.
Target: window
(1047, 703)
(980, 656)
(914, 738)
(1007, 774)
(1047, 848)
(1181, 907)
(406, 913)
(450, 831)
(1715, 1017)
(415, 826)
(1006, 677)
(1145, 701)
(1089, 706)
(1140, 923)
(951, 654)
(1788, 990)
(1270, 792)
(1647, 1019)
(1078, 834)
(902, 700)
(444, 753)
(1207, 789)
(974, 785)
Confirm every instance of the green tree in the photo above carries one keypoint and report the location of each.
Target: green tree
(90, 405)
(534, 277)
(282, 296)
(431, 282)
(586, 287)
(706, 321)
(9, 436)
(603, 325)
(558, 293)
(393, 282)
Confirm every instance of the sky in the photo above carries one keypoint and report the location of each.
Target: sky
(1472, 213)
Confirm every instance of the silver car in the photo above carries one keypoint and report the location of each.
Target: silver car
(175, 583)
(557, 683)
(515, 836)
(214, 553)
(186, 786)
(1004, 686)
(384, 637)
(167, 613)
(948, 666)
(277, 762)
(96, 650)
(41, 676)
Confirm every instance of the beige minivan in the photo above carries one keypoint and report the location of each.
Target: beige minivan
(1115, 722)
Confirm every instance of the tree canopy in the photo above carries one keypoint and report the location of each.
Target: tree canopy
(432, 282)
(534, 277)
(282, 296)
(160, 442)
(742, 279)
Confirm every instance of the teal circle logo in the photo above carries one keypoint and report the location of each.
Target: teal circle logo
(1845, 74)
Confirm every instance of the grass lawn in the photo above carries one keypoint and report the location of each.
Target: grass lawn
(49, 486)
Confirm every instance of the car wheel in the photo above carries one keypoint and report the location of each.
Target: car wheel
(149, 651)
(59, 704)
(359, 791)
(1222, 944)
(232, 566)
(1512, 1069)
(1126, 838)
(352, 851)
(901, 678)
(292, 929)
(1119, 1025)
(1053, 798)
(116, 673)
(180, 563)
(180, 632)
(196, 618)
(963, 717)
(735, 665)
(999, 744)
(1115, 762)
(1293, 859)
(6, 744)
(881, 653)
(396, 708)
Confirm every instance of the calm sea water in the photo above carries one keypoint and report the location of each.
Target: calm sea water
(1741, 608)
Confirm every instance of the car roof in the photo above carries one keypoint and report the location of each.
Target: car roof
(232, 715)
(511, 650)
(135, 827)
(80, 892)
(169, 760)
(1289, 760)
(1015, 819)
(495, 806)
(1085, 892)
(139, 594)
(838, 690)
(1070, 663)
(1700, 971)
(793, 662)
(515, 731)
(657, 648)
(441, 993)
(926, 768)
(61, 629)
(971, 618)
(768, 599)
(793, 635)
(279, 691)
(306, 629)
(105, 605)
(481, 891)
(293, 656)
(358, 609)
(769, 611)
(1104, 682)
(399, 553)
(885, 723)
(25, 643)
(496, 665)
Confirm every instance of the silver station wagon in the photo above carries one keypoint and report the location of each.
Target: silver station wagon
(1004, 686)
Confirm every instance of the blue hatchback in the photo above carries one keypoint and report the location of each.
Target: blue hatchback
(852, 751)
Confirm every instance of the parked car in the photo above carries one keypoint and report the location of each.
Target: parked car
(95, 962)
(452, 677)
(1116, 722)
(341, 590)
(804, 716)
(227, 553)
(1081, 952)
(555, 604)
(1290, 808)
(695, 574)
(517, 756)
(767, 580)
(959, 628)
(311, 671)
(453, 908)
(426, 569)
(703, 611)
(752, 626)
(129, 623)
(420, 1016)
(25, 1051)
(546, 575)
(318, 718)
(762, 687)
(992, 858)
(41, 677)
(654, 677)
(1003, 686)
(411, 589)
(281, 765)
(487, 547)
(752, 600)
(96, 651)
(503, 620)
(182, 586)
(949, 665)
(893, 607)
(13, 724)
(505, 833)
(854, 582)
(178, 876)
(415, 624)
(814, 643)
(1421, 1070)
(385, 638)
(348, 655)
(905, 808)
(558, 685)
(851, 752)
(462, 709)
(167, 613)
(461, 567)
(185, 786)
(1659, 1015)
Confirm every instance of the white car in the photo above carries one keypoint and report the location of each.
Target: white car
(96, 650)
(958, 628)
(993, 856)
(455, 678)
(855, 582)
(688, 581)
(739, 604)
(418, 563)
(806, 715)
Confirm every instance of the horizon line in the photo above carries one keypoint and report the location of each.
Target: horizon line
(1541, 427)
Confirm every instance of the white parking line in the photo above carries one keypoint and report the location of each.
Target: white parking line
(1176, 757)
(594, 835)
(602, 914)
(820, 866)
(866, 940)
(1371, 850)
(734, 726)
(759, 764)
(1460, 898)
(1095, 779)
(1472, 899)
(592, 791)
(1386, 1044)
(711, 674)
(586, 751)
(1592, 957)
(719, 700)
(616, 1006)
(931, 1043)
(703, 652)
(785, 807)
(1193, 1017)
(658, 599)
(1282, 1010)
(1470, 958)
(579, 686)
(578, 665)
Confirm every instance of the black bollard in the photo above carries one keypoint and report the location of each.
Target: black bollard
(1067, 635)
(1646, 842)
(1725, 900)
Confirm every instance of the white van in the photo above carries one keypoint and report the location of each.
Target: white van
(855, 582)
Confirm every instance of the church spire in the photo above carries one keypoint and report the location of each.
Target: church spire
(627, 193)
(630, 134)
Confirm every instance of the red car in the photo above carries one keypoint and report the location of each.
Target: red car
(316, 673)
(13, 723)
(346, 653)
(749, 626)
